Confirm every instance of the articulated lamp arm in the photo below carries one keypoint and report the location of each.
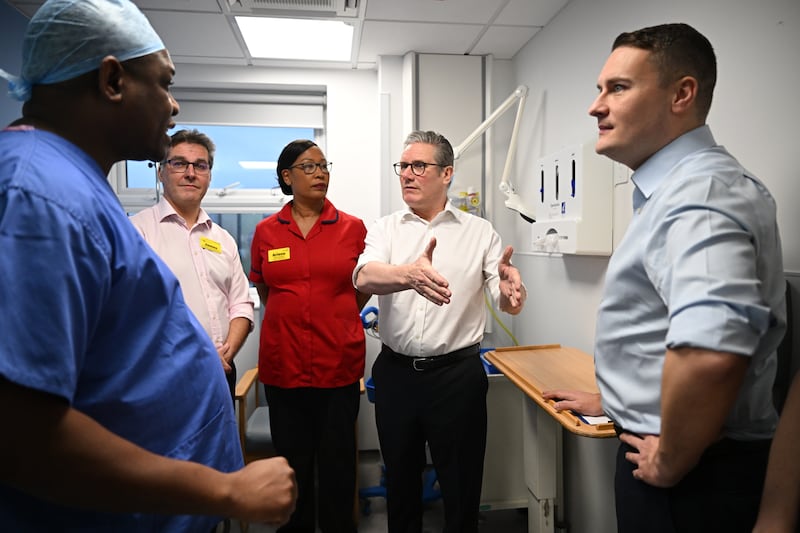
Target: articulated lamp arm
(513, 200)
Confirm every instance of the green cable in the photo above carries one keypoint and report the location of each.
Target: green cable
(497, 319)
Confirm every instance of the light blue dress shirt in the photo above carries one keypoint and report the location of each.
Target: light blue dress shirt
(700, 266)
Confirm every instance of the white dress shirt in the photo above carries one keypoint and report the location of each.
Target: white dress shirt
(467, 254)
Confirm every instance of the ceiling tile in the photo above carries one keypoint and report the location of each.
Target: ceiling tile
(187, 34)
(504, 41)
(210, 6)
(420, 37)
(530, 12)
(451, 11)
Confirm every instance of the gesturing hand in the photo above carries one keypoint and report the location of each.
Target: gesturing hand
(424, 279)
(512, 293)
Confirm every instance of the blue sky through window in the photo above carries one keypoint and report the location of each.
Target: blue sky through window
(235, 145)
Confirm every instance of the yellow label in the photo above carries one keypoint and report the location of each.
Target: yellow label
(278, 254)
(212, 246)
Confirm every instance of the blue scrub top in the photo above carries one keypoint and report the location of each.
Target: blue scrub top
(91, 314)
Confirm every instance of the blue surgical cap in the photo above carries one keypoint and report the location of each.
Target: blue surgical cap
(67, 38)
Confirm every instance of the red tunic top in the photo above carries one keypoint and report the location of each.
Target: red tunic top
(311, 335)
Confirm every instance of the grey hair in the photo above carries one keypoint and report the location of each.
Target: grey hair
(444, 150)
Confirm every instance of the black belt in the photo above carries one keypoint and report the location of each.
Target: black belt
(719, 446)
(619, 430)
(421, 364)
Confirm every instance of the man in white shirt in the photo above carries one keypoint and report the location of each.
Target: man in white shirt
(202, 255)
(430, 384)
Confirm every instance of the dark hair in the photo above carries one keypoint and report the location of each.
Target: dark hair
(288, 156)
(678, 50)
(194, 137)
(444, 150)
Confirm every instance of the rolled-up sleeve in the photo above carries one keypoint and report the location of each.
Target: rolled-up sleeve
(703, 262)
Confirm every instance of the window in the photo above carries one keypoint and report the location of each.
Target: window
(241, 226)
(249, 129)
(245, 157)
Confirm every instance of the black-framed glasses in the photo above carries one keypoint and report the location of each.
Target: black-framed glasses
(309, 167)
(417, 167)
(181, 165)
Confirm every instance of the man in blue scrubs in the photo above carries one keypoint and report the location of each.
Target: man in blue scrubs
(115, 409)
(693, 307)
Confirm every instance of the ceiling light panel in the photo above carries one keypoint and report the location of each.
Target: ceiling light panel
(301, 39)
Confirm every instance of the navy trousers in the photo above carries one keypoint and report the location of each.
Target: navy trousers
(721, 494)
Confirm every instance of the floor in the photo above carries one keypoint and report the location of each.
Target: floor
(498, 521)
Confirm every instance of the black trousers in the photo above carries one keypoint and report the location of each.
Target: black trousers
(230, 377)
(315, 429)
(446, 407)
(721, 494)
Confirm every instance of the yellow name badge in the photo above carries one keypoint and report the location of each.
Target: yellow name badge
(278, 254)
(212, 246)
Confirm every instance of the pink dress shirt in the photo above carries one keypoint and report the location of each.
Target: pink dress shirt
(205, 259)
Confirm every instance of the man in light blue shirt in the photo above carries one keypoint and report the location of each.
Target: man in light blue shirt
(693, 309)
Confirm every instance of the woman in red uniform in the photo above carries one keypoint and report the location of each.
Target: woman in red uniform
(311, 353)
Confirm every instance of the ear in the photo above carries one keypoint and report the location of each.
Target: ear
(684, 95)
(285, 177)
(111, 78)
(448, 175)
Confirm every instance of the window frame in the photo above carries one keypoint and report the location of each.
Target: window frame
(271, 106)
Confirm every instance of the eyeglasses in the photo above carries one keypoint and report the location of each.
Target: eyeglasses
(179, 165)
(309, 167)
(417, 167)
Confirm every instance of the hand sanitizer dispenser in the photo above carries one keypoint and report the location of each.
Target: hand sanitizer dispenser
(575, 203)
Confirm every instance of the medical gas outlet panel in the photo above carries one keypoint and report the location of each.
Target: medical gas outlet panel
(574, 204)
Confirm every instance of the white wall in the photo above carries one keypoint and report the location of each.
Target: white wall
(352, 129)
(755, 115)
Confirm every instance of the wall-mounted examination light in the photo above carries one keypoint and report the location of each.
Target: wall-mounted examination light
(513, 200)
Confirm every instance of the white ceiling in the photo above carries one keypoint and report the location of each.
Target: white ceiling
(204, 31)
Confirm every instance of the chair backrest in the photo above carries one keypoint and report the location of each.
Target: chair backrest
(255, 435)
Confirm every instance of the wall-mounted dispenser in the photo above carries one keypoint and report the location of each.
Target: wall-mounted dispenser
(575, 203)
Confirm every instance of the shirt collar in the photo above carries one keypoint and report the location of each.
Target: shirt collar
(165, 211)
(655, 170)
(449, 211)
(330, 215)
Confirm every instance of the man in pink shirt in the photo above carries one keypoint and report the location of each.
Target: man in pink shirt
(202, 255)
